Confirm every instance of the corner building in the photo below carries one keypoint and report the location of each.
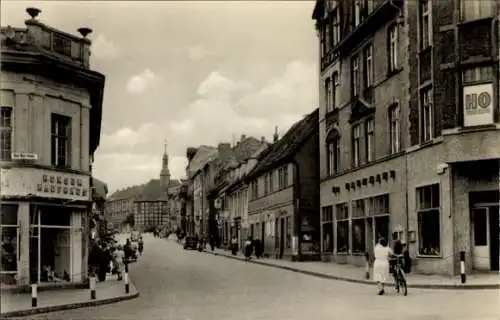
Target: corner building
(409, 130)
(50, 117)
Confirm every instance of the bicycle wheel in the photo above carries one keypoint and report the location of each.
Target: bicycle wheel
(402, 284)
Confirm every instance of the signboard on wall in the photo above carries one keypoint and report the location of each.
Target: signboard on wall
(26, 181)
(478, 104)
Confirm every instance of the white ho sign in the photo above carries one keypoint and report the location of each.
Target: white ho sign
(478, 104)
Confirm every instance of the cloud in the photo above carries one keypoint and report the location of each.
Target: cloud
(125, 169)
(197, 53)
(128, 137)
(138, 83)
(104, 49)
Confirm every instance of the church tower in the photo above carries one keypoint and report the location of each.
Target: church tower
(165, 172)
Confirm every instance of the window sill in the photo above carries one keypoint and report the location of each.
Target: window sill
(465, 23)
(392, 73)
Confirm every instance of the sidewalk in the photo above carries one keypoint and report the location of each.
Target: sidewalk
(351, 273)
(19, 304)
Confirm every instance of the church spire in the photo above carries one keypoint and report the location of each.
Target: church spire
(165, 172)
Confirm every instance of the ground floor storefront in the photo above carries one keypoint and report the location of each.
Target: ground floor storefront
(438, 210)
(43, 243)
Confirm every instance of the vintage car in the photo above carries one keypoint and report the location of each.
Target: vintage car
(190, 242)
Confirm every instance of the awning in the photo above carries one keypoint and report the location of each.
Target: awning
(99, 189)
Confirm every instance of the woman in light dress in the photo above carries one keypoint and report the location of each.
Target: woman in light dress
(118, 261)
(382, 254)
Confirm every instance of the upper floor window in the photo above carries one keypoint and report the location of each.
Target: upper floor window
(425, 24)
(335, 27)
(283, 177)
(5, 133)
(357, 13)
(271, 181)
(61, 140)
(355, 76)
(370, 140)
(393, 47)
(394, 128)
(328, 37)
(368, 66)
(426, 114)
(328, 95)
(333, 156)
(477, 9)
(266, 184)
(356, 148)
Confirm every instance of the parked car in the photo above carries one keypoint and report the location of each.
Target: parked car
(190, 242)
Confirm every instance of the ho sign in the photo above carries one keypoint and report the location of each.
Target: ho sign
(478, 104)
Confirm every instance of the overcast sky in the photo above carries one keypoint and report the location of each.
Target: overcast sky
(189, 72)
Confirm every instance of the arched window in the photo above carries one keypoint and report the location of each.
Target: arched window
(333, 152)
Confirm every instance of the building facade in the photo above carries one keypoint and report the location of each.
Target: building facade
(151, 214)
(117, 210)
(284, 194)
(409, 97)
(50, 116)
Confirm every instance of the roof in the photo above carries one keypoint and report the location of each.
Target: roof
(151, 190)
(288, 145)
(100, 189)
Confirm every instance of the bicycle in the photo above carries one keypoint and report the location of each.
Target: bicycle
(399, 275)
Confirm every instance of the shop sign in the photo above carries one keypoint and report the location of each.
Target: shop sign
(478, 104)
(25, 182)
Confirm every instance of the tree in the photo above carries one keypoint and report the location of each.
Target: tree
(130, 219)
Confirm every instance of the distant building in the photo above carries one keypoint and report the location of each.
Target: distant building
(283, 194)
(50, 120)
(150, 214)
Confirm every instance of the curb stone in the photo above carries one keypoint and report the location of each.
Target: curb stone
(492, 286)
(76, 305)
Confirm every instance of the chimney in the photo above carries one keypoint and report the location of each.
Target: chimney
(224, 151)
(276, 135)
(262, 139)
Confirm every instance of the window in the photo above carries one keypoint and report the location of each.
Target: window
(358, 226)
(425, 24)
(335, 27)
(478, 9)
(355, 76)
(328, 95)
(61, 140)
(370, 140)
(9, 239)
(283, 177)
(254, 191)
(342, 225)
(333, 156)
(394, 128)
(271, 181)
(357, 13)
(5, 133)
(322, 40)
(368, 66)
(393, 42)
(428, 210)
(327, 228)
(266, 184)
(426, 115)
(335, 86)
(378, 218)
(328, 37)
(478, 74)
(356, 136)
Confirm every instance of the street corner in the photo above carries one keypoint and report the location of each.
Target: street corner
(51, 301)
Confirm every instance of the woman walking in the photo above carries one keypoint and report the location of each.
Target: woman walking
(118, 261)
(248, 248)
(382, 254)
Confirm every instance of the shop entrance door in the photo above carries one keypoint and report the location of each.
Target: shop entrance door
(485, 237)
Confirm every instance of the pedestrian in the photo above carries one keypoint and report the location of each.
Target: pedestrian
(141, 245)
(248, 248)
(259, 250)
(382, 254)
(119, 261)
(104, 259)
(234, 245)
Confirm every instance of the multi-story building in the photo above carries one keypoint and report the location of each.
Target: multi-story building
(408, 110)
(177, 205)
(231, 197)
(118, 206)
(284, 194)
(151, 214)
(50, 117)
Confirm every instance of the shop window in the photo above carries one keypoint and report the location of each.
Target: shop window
(5, 133)
(9, 242)
(480, 228)
(428, 210)
(342, 225)
(358, 235)
(327, 228)
(288, 232)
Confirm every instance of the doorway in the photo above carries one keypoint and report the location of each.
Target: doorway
(485, 237)
(282, 237)
(263, 233)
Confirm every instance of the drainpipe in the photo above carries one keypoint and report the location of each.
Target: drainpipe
(296, 208)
